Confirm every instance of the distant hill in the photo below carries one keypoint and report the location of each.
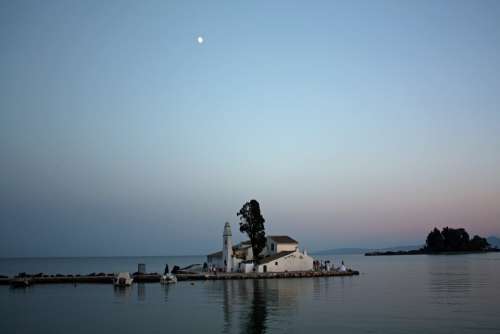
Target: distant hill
(493, 241)
(341, 251)
(400, 248)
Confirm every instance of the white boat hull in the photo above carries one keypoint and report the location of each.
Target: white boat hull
(122, 280)
(168, 279)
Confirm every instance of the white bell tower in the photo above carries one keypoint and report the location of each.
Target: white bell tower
(227, 248)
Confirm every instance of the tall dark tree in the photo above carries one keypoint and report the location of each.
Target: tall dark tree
(477, 243)
(435, 241)
(455, 239)
(252, 223)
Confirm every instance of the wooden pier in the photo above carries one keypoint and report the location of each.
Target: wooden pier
(155, 278)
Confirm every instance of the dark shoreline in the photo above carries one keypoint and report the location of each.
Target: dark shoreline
(424, 252)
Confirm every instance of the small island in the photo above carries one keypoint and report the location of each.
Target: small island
(447, 241)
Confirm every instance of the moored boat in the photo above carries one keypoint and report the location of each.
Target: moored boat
(122, 279)
(167, 278)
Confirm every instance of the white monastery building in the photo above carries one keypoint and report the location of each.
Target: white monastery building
(280, 254)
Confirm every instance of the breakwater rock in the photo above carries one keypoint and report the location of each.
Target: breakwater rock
(103, 278)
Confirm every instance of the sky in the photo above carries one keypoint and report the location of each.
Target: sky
(353, 123)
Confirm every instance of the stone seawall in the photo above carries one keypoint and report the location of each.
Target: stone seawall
(155, 278)
(292, 274)
(72, 279)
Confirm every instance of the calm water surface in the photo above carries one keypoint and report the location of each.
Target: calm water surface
(400, 294)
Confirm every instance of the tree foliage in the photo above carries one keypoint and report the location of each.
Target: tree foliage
(435, 241)
(454, 240)
(479, 243)
(252, 223)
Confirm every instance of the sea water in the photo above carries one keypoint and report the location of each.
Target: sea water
(392, 294)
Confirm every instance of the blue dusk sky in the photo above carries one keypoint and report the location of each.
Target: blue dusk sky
(353, 123)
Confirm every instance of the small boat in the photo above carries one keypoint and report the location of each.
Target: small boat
(343, 268)
(20, 283)
(167, 278)
(123, 279)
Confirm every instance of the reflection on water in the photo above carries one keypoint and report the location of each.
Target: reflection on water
(20, 290)
(227, 290)
(450, 282)
(257, 306)
(122, 293)
(164, 288)
(255, 323)
(407, 294)
(141, 291)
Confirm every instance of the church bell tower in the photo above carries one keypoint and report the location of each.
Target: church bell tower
(227, 248)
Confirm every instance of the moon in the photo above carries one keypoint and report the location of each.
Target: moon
(200, 39)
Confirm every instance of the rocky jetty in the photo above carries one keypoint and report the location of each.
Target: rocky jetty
(103, 278)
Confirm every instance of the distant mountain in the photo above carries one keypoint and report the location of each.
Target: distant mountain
(341, 251)
(493, 241)
(400, 248)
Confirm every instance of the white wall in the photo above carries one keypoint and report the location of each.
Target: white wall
(236, 264)
(246, 267)
(286, 247)
(278, 247)
(295, 261)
